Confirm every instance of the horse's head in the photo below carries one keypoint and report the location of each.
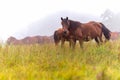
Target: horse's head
(65, 24)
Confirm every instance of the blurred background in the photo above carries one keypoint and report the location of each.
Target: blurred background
(21, 18)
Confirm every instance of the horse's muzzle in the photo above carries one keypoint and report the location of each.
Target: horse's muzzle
(66, 33)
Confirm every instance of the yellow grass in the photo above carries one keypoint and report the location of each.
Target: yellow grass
(47, 62)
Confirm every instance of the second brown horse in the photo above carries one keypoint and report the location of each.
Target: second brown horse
(61, 36)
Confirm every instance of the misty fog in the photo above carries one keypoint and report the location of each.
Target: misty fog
(111, 20)
(52, 22)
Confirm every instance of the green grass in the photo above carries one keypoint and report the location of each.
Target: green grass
(47, 62)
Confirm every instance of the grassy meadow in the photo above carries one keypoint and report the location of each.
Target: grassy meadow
(47, 62)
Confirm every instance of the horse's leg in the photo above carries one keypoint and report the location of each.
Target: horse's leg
(100, 37)
(101, 40)
(71, 43)
(81, 43)
(74, 43)
(97, 41)
(62, 42)
(57, 42)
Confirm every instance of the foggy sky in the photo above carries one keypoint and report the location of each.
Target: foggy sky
(17, 17)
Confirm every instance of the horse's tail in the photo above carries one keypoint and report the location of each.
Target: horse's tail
(56, 37)
(106, 31)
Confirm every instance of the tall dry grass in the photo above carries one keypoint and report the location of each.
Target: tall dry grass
(47, 62)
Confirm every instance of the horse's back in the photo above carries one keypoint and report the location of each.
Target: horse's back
(92, 29)
(93, 25)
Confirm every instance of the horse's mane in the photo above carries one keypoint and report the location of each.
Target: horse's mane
(74, 21)
(75, 24)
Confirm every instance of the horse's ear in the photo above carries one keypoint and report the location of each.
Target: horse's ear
(61, 18)
(67, 18)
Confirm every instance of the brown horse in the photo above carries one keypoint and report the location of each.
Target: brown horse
(60, 35)
(85, 31)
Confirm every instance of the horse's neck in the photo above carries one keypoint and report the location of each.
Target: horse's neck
(74, 24)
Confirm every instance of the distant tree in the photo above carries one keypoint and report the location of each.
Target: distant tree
(111, 20)
(108, 14)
